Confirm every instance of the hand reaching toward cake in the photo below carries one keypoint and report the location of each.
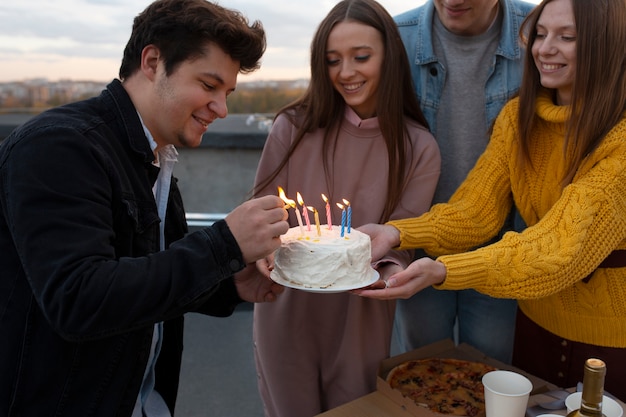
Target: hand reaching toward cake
(384, 238)
(385, 270)
(253, 286)
(257, 225)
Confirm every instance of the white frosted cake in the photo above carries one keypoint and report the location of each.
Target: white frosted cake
(314, 261)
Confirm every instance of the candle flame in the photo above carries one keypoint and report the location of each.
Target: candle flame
(312, 209)
(340, 205)
(300, 200)
(324, 198)
(281, 194)
(288, 202)
(346, 202)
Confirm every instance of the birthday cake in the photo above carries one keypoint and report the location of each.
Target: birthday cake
(323, 260)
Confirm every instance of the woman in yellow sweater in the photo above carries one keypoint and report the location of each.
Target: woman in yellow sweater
(558, 152)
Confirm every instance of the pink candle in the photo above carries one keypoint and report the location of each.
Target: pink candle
(329, 221)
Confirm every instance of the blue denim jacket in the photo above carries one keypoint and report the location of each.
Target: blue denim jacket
(429, 74)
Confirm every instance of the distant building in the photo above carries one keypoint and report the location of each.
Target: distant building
(41, 93)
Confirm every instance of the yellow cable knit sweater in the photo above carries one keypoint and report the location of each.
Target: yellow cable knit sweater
(570, 231)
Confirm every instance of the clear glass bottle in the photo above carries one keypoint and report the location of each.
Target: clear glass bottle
(593, 390)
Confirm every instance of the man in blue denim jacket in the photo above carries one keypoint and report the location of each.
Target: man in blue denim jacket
(466, 64)
(96, 265)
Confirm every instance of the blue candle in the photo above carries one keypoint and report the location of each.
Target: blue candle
(349, 214)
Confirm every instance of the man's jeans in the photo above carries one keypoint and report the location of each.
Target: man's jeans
(486, 323)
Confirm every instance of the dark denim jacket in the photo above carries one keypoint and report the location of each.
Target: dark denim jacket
(81, 279)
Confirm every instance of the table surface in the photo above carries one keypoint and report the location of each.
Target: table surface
(377, 404)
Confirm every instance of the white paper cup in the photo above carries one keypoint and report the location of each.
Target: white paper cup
(506, 393)
(610, 407)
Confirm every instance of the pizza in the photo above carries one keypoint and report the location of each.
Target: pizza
(445, 386)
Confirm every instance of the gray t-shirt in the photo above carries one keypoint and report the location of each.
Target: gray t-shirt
(463, 133)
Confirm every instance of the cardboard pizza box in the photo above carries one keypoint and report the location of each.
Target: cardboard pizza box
(447, 349)
(388, 402)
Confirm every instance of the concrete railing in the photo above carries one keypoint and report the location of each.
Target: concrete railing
(216, 176)
(203, 219)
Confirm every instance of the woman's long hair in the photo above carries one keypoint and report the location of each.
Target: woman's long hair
(322, 107)
(599, 90)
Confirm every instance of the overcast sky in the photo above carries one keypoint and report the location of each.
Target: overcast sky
(84, 39)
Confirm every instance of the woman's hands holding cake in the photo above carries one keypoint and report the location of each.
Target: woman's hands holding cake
(383, 237)
(420, 274)
(405, 283)
(385, 271)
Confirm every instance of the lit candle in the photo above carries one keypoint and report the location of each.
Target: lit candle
(317, 220)
(292, 204)
(343, 217)
(347, 203)
(328, 219)
(281, 194)
(305, 212)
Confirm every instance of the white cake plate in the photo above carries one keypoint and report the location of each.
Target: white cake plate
(333, 288)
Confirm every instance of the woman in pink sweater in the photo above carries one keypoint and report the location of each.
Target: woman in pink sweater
(558, 152)
(357, 133)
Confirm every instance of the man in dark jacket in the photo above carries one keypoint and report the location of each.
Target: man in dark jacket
(96, 266)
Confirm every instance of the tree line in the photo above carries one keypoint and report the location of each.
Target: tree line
(262, 100)
(268, 99)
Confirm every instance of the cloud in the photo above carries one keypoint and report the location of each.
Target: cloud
(51, 32)
(63, 29)
(90, 35)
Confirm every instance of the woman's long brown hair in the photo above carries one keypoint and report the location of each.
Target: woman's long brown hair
(322, 107)
(599, 91)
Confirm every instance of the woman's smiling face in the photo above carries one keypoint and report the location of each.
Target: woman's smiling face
(354, 55)
(554, 49)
